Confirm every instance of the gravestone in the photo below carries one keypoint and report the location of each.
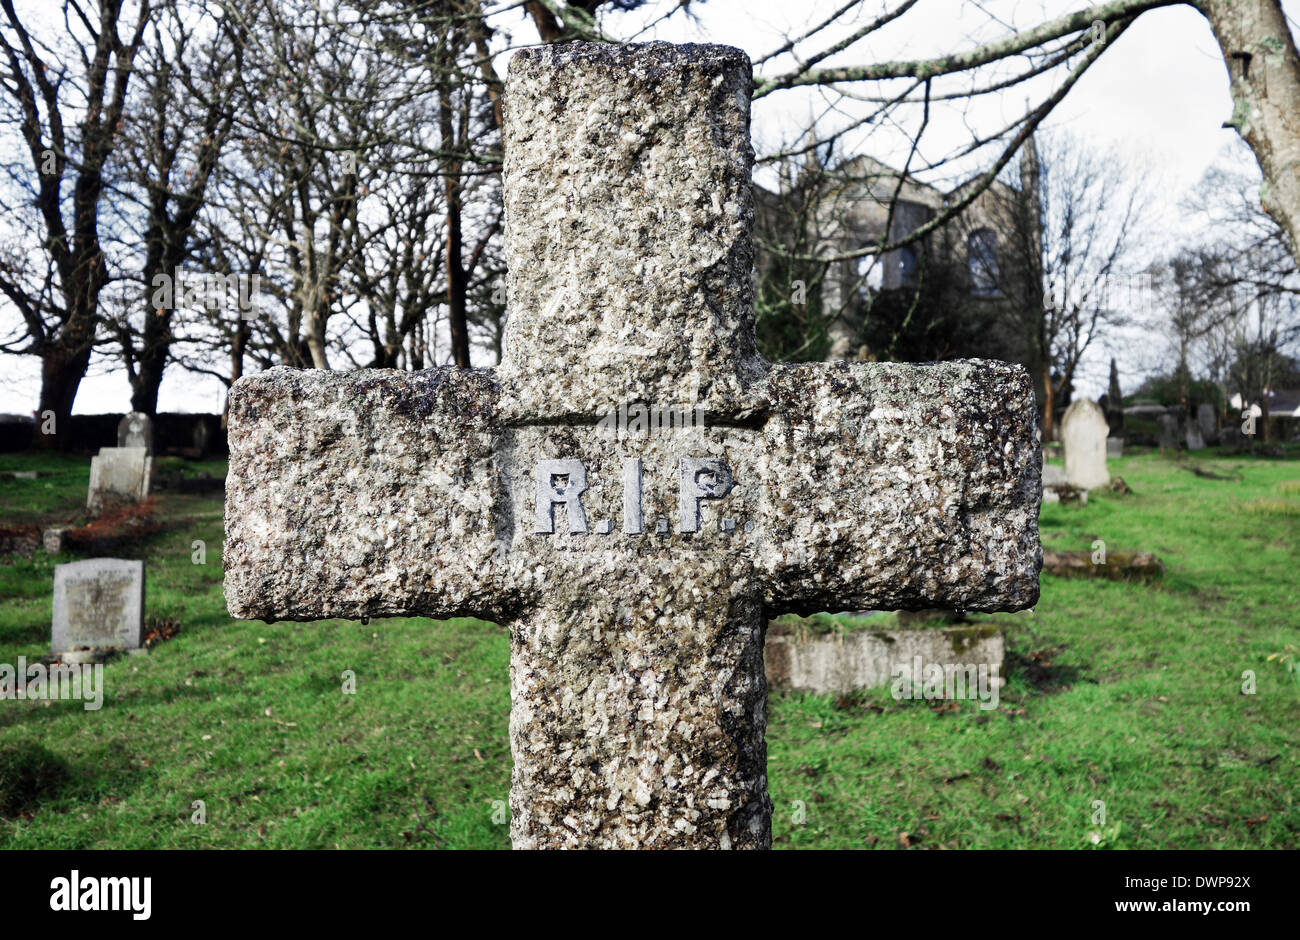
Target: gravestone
(1194, 439)
(636, 570)
(53, 539)
(1084, 431)
(1168, 425)
(1208, 422)
(201, 439)
(135, 430)
(867, 659)
(98, 606)
(118, 475)
(1114, 448)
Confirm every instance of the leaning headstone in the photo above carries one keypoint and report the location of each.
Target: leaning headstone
(135, 430)
(1084, 430)
(1114, 448)
(1208, 422)
(118, 475)
(98, 607)
(1168, 425)
(637, 570)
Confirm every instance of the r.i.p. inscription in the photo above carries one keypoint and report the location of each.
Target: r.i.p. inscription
(561, 485)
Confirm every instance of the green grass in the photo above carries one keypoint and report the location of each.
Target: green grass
(1125, 693)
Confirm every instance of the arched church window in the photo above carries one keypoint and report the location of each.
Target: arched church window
(908, 265)
(982, 262)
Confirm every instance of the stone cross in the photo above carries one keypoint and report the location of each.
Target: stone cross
(635, 558)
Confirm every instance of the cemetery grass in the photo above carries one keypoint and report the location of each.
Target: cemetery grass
(1122, 693)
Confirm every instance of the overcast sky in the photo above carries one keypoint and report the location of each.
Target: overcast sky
(1156, 101)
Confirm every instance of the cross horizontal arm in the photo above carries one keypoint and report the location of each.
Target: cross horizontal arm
(384, 493)
(892, 486)
(363, 494)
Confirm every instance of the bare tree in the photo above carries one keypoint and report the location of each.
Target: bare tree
(172, 146)
(66, 100)
(1233, 297)
(1258, 49)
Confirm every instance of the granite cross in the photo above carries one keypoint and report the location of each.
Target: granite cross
(635, 561)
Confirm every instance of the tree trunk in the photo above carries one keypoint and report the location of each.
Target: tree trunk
(237, 345)
(61, 374)
(1265, 72)
(156, 339)
(457, 284)
(1048, 402)
(456, 281)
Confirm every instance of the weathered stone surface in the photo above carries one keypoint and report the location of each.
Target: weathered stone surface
(1114, 448)
(118, 474)
(1194, 439)
(866, 486)
(375, 492)
(866, 659)
(628, 212)
(865, 458)
(1168, 425)
(1118, 566)
(1084, 430)
(98, 605)
(636, 570)
(1208, 422)
(52, 540)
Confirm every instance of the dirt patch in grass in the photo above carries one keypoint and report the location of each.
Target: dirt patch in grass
(1040, 669)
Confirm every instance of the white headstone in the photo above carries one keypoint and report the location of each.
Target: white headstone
(1084, 431)
(118, 474)
(98, 605)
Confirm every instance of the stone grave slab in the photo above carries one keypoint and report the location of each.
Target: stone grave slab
(98, 605)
